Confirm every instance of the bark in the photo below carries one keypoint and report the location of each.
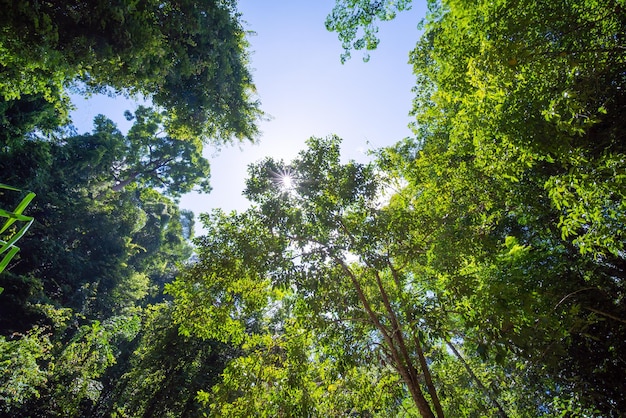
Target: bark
(420, 352)
(407, 372)
(399, 337)
(120, 186)
(428, 377)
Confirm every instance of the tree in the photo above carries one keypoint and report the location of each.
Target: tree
(163, 371)
(189, 57)
(551, 94)
(93, 257)
(91, 238)
(516, 174)
(302, 236)
(148, 156)
(517, 110)
(289, 374)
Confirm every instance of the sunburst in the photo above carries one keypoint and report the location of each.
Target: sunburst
(287, 182)
(285, 179)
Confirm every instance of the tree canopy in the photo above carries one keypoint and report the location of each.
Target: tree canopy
(187, 57)
(474, 269)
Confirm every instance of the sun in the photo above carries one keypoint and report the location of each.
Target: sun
(286, 181)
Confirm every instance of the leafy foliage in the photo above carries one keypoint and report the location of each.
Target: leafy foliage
(300, 238)
(189, 57)
(97, 252)
(22, 373)
(517, 108)
(12, 217)
(355, 22)
(164, 371)
(476, 269)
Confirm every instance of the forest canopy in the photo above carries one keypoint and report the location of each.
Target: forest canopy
(476, 268)
(187, 57)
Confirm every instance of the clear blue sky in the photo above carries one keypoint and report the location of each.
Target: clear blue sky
(306, 90)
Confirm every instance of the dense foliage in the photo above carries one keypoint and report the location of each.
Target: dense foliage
(98, 250)
(188, 57)
(475, 269)
(84, 325)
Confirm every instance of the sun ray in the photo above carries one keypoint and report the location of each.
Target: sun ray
(285, 179)
(286, 182)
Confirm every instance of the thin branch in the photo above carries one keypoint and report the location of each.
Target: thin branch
(608, 315)
(572, 294)
(480, 384)
(418, 346)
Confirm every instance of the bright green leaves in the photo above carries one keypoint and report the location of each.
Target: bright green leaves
(218, 307)
(591, 199)
(285, 374)
(16, 215)
(515, 177)
(355, 22)
(21, 373)
(331, 250)
(77, 367)
(467, 52)
(219, 296)
(272, 380)
(35, 368)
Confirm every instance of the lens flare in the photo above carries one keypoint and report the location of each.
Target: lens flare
(286, 181)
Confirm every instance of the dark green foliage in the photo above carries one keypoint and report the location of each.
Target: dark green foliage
(490, 282)
(26, 116)
(189, 57)
(92, 257)
(100, 235)
(165, 371)
(107, 235)
(518, 173)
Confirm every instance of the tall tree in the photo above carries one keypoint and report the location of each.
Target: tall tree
(188, 57)
(94, 256)
(519, 154)
(92, 236)
(148, 156)
(318, 230)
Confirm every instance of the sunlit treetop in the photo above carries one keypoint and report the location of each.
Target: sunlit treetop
(355, 22)
(188, 57)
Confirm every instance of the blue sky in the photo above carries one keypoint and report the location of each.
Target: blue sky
(306, 90)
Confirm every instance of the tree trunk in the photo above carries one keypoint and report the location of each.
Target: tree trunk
(120, 186)
(405, 368)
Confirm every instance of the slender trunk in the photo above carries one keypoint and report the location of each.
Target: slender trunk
(608, 315)
(420, 352)
(427, 376)
(405, 369)
(482, 387)
(399, 336)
